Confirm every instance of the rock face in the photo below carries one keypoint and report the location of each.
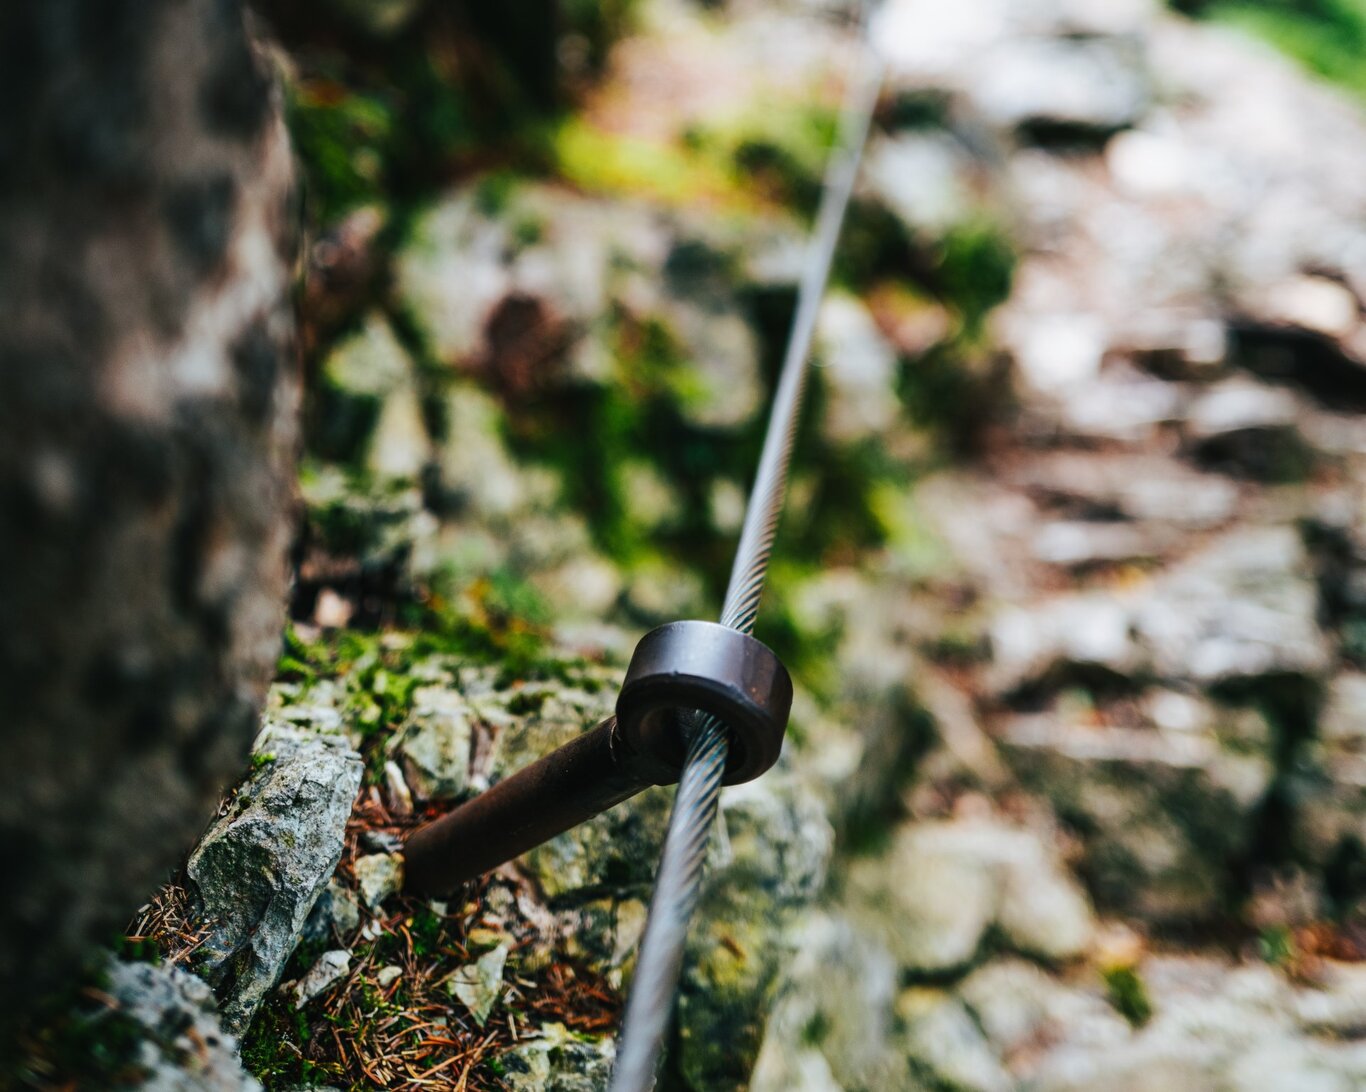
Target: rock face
(148, 402)
(262, 866)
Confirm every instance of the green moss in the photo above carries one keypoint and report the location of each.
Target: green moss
(272, 1047)
(975, 265)
(1128, 994)
(664, 170)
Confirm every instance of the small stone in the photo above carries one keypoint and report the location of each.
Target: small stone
(859, 372)
(1077, 543)
(379, 876)
(400, 797)
(479, 985)
(1084, 85)
(1016, 1003)
(1029, 643)
(1317, 304)
(1343, 720)
(944, 1047)
(345, 907)
(923, 178)
(1244, 606)
(1055, 352)
(836, 999)
(434, 743)
(478, 475)
(558, 1060)
(331, 611)
(330, 968)
(651, 501)
(1250, 426)
(372, 414)
(386, 976)
(1161, 810)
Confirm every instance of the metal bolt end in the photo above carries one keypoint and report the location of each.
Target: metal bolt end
(714, 669)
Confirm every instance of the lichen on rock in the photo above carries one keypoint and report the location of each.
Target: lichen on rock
(261, 867)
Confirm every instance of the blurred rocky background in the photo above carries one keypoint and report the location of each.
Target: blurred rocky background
(1072, 575)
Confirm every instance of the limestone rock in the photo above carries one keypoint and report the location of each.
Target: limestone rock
(183, 1047)
(769, 862)
(944, 884)
(1214, 1025)
(1249, 428)
(479, 985)
(370, 407)
(558, 1060)
(435, 743)
(261, 867)
(1017, 1004)
(836, 1003)
(379, 876)
(330, 968)
(944, 1047)
(604, 935)
(1061, 635)
(859, 372)
(1087, 86)
(1244, 606)
(923, 178)
(335, 915)
(1162, 811)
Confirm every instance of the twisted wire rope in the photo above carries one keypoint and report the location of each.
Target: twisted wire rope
(679, 880)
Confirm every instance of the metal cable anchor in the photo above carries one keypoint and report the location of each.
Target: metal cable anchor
(678, 667)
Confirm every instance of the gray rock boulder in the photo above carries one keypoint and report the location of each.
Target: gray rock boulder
(182, 1046)
(261, 867)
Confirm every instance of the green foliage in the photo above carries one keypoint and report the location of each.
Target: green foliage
(1326, 36)
(1276, 945)
(975, 264)
(1128, 994)
(341, 137)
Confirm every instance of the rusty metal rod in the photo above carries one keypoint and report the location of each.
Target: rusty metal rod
(676, 668)
(588, 775)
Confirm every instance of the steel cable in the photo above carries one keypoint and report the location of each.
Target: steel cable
(678, 882)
